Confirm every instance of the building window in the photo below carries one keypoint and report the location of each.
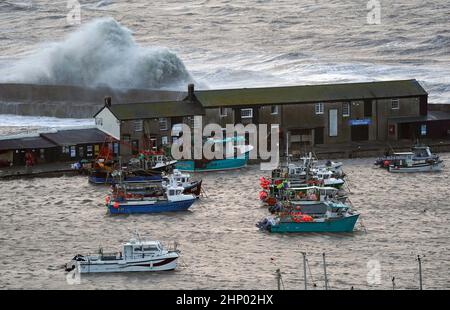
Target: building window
(99, 121)
(423, 130)
(395, 104)
(346, 109)
(89, 151)
(164, 140)
(223, 112)
(191, 120)
(319, 108)
(163, 123)
(73, 152)
(274, 110)
(126, 138)
(246, 113)
(138, 125)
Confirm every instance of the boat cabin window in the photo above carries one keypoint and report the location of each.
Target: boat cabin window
(151, 248)
(171, 192)
(137, 249)
(178, 192)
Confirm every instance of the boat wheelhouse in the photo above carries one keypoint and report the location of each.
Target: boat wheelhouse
(172, 200)
(418, 154)
(406, 162)
(337, 218)
(311, 200)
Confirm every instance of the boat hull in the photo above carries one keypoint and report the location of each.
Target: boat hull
(213, 165)
(160, 264)
(435, 167)
(345, 224)
(132, 207)
(134, 179)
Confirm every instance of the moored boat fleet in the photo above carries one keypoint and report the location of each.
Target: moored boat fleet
(301, 197)
(306, 197)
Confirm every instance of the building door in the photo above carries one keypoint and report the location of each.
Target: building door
(360, 133)
(367, 108)
(318, 135)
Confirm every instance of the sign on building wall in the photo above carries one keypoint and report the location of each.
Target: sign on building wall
(358, 122)
(333, 123)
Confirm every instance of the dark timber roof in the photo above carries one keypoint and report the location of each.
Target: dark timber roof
(76, 136)
(26, 143)
(147, 110)
(308, 93)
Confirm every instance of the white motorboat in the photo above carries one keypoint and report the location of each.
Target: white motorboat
(137, 255)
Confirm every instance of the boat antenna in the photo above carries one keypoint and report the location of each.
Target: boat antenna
(287, 148)
(138, 236)
(325, 271)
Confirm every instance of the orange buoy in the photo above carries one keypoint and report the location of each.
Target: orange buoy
(116, 205)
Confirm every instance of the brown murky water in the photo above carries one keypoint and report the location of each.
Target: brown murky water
(45, 222)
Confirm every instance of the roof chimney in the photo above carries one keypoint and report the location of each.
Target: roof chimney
(191, 92)
(108, 101)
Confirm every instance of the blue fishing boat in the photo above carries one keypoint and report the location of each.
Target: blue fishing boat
(338, 224)
(235, 157)
(337, 218)
(173, 200)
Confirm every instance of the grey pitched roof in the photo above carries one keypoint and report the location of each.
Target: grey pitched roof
(77, 136)
(148, 110)
(26, 143)
(308, 93)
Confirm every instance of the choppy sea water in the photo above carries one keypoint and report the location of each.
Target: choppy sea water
(45, 222)
(224, 43)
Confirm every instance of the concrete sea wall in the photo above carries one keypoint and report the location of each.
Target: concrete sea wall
(67, 101)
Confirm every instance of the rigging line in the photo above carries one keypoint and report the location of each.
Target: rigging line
(282, 282)
(310, 274)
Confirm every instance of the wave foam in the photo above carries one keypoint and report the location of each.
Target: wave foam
(101, 53)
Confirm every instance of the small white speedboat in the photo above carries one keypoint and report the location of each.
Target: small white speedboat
(137, 255)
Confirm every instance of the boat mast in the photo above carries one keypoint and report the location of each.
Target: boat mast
(278, 274)
(420, 271)
(325, 271)
(304, 269)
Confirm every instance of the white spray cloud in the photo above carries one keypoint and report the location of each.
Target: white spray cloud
(101, 52)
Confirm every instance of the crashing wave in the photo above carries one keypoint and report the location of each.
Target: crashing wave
(101, 53)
